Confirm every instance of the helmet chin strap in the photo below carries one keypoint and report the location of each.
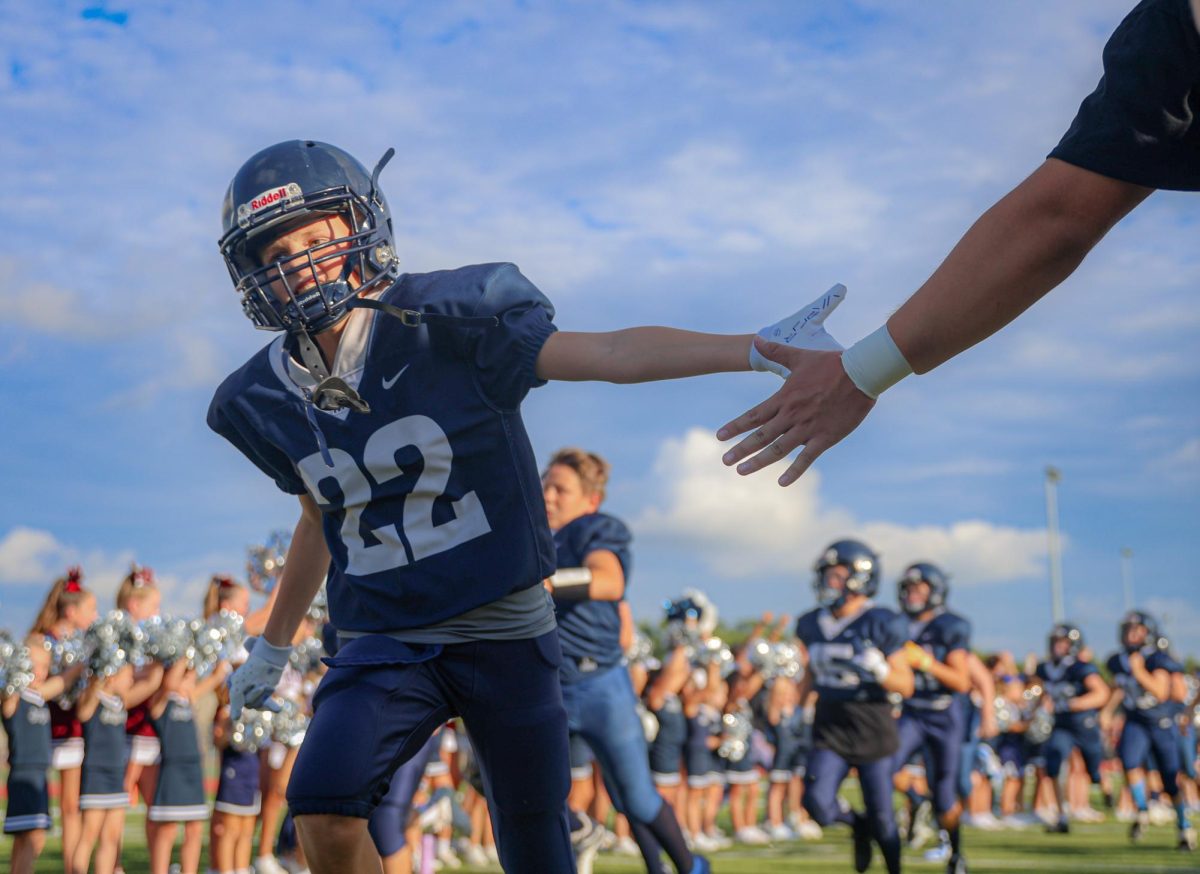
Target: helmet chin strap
(331, 392)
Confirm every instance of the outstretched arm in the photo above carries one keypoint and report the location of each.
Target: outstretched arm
(1016, 252)
(641, 355)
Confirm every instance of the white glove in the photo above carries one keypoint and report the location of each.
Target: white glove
(252, 684)
(874, 662)
(804, 329)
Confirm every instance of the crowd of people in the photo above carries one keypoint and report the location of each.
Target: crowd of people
(756, 732)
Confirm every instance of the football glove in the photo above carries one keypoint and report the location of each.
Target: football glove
(804, 329)
(252, 684)
(874, 662)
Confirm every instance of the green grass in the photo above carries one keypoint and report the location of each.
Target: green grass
(1089, 848)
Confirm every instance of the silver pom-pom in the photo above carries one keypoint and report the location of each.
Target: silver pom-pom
(16, 667)
(112, 643)
(290, 724)
(779, 659)
(642, 651)
(65, 653)
(265, 563)
(306, 655)
(318, 610)
(216, 640)
(735, 736)
(715, 650)
(252, 731)
(169, 639)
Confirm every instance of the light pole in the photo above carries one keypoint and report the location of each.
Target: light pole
(1053, 477)
(1127, 576)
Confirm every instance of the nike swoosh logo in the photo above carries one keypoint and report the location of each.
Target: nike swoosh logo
(388, 383)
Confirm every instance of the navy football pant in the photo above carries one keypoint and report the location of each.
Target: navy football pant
(600, 709)
(1137, 740)
(389, 820)
(942, 732)
(825, 773)
(1086, 736)
(382, 700)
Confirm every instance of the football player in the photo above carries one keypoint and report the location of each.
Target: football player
(1073, 691)
(594, 562)
(390, 405)
(856, 658)
(937, 649)
(1141, 684)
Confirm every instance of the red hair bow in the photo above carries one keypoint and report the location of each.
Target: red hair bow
(74, 579)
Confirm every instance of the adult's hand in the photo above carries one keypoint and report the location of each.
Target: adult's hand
(817, 406)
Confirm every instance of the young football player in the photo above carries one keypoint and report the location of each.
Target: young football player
(1141, 685)
(856, 658)
(594, 563)
(1074, 691)
(1137, 132)
(937, 649)
(391, 407)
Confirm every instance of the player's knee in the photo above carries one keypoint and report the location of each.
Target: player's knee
(823, 811)
(643, 806)
(331, 836)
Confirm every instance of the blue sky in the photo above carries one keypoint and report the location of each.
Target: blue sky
(711, 166)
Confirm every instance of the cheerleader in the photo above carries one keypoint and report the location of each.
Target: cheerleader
(139, 597)
(103, 799)
(666, 750)
(703, 724)
(179, 795)
(27, 724)
(235, 812)
(69, 608)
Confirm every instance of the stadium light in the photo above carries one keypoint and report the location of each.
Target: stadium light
(1053, 478)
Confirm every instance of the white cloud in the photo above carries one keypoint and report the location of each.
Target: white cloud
(744, 526)
(30, 556)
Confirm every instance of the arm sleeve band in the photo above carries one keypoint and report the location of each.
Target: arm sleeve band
(875, 364)
(572, 583)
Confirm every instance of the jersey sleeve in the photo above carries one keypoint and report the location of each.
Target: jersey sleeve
(892, 633)
(230, 423)
(804, 628)
(958, 634)
(1113, 664)
(611, 534)
(1083, 670)
(505, 357)
(1162, 661)
(1142, 123)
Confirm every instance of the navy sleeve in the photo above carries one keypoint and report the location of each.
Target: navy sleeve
(1114, 664)
(226, 420)
(1083, 670)
(1142, 123)
(892, 632)
(505, 357)
(804, 628)
(610, 533)
(958, 634)
(1163, 661)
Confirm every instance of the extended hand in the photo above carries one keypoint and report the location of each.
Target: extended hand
(803, 329)
(874, 662)
(817, 406)
(252, 684)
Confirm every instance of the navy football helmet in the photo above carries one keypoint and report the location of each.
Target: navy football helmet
(939, 587)
(1139, 617)
(856, 557)
(1066, 631)
(282, 187)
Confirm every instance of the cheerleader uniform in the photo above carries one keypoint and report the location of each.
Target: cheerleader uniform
(66, 734)
(179, 795)
(238, 789)
(28, 758)
(793, 740)
(144, 748)
(666, 750)
(701, 764)
(102, 784)
(742, 771)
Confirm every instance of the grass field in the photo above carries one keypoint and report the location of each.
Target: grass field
(1101, 848)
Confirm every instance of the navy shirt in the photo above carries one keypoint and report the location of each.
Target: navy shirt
(1065, 680)
(1142, 123)
(433, 505)
(833, 642)
(1137, 702)
(29, 732)
(945, 633)
(590, 631)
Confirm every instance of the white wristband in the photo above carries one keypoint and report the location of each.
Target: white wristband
(875, 364)
(572, 583)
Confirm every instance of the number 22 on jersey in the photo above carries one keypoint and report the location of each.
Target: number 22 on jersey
(379, 466)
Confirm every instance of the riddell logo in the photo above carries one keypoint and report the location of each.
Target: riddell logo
(282, 195)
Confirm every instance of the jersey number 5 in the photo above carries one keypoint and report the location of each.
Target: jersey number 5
(379, 464)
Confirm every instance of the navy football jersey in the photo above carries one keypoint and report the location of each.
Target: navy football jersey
(1137, 702)
(432, 502)
(940, 636)
(590, 631)
(833, 642)
(1065, 680)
